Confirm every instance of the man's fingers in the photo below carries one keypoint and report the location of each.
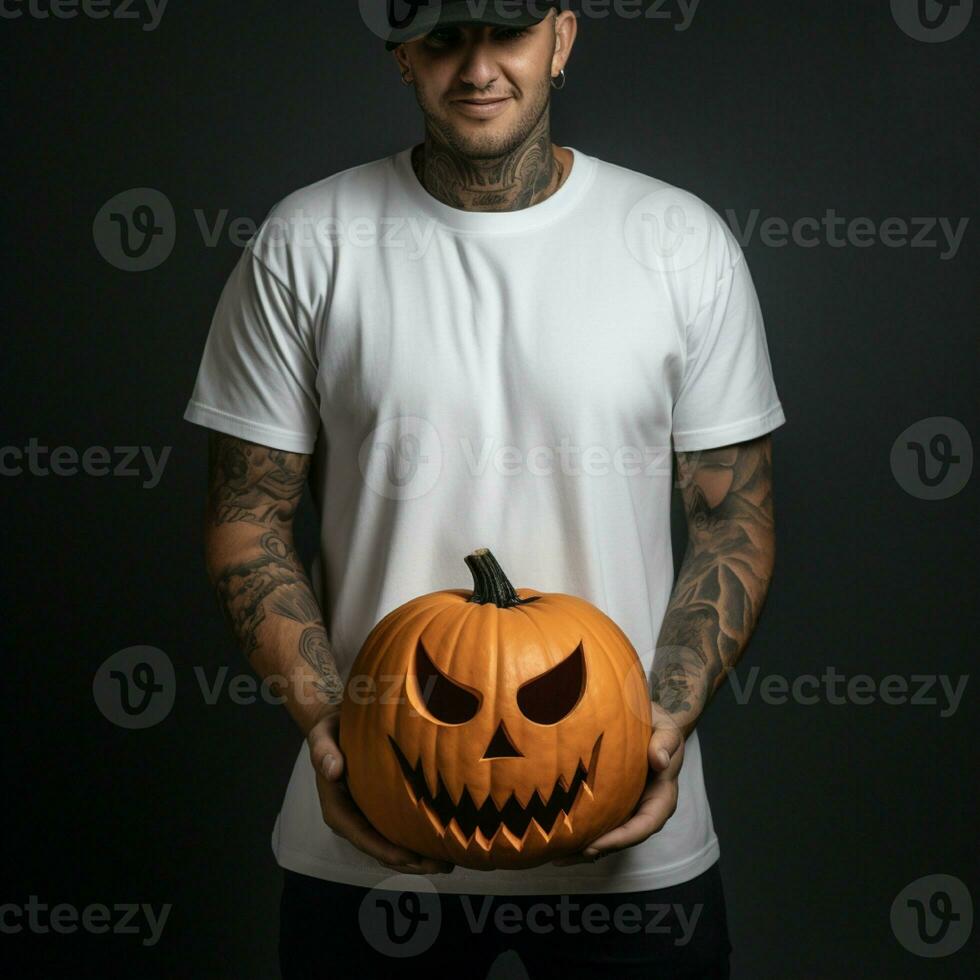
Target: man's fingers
(656, 807)
(653, 813)
(346, 820)
(342, 815)
(637, 828)
(657, 804)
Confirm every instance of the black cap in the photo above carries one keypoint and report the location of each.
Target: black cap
(408, 19)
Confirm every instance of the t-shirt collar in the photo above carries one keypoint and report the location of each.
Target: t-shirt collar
(561, 201)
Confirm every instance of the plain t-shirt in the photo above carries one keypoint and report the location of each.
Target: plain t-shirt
(510, 380)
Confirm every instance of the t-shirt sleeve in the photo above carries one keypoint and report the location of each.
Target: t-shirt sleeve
(728, 393)
(257, 377)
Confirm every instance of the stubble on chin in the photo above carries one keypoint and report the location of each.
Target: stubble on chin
(488, 143)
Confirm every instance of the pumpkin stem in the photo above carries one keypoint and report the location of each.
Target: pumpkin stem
(490, 584)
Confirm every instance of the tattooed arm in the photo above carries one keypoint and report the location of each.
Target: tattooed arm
(263, 590)
(719, 592)
(723, 580)
(267, 599)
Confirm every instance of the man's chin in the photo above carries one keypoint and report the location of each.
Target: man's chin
(483, 140)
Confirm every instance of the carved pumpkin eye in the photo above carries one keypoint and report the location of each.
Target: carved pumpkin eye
(552, 695)
(446, 700)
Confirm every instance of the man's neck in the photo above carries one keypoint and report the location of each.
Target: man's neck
(527, 175)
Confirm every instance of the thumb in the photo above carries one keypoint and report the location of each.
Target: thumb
(325, 752)
(664, 743)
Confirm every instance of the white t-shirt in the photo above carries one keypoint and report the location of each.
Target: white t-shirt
(508, 380)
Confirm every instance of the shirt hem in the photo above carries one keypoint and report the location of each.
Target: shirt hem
(234, 425)
(724, 435)
(457, 883)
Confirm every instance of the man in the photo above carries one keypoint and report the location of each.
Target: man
(489, 340)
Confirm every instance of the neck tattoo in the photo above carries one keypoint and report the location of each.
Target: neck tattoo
(527, 175)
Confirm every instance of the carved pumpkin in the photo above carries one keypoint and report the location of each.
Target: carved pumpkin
(496, 728)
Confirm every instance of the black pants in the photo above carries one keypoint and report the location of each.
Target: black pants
(328, 929)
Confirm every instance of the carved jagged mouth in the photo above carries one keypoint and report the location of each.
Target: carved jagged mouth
(488, 818)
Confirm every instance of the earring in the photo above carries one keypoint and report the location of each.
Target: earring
(405, 79)
(561, 75)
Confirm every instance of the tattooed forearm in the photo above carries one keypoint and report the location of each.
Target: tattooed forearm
(313, 646)
(298, 605)
(243, 589)
(725, 575)
(262, 587)
(253, 483)
(680, 678)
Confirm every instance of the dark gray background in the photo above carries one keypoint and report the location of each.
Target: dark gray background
(825, 812)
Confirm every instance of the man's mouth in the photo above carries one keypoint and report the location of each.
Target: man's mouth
(481, 108)
(488, 818)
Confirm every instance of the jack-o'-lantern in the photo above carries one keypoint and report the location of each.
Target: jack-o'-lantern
(496, 727)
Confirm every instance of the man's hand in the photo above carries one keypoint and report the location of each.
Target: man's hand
(342, 815)
(665, 754)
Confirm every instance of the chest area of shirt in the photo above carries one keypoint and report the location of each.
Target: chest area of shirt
(568, 339)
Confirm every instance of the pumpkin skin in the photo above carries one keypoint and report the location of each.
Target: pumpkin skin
(496, 727)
